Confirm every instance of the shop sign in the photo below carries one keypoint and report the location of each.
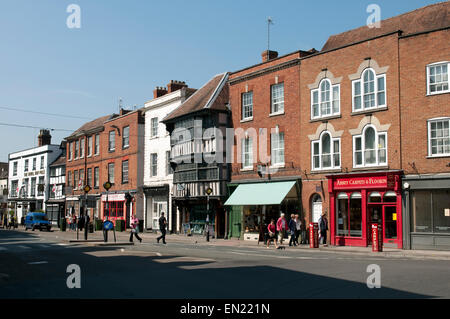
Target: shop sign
(363, 182)
(114, 197)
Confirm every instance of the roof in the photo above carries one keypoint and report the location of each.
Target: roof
(213, 95)
(429, 18)
(91, 125)
(61, 160)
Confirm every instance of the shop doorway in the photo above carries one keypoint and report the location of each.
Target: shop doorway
(386, 217)
(316, 208)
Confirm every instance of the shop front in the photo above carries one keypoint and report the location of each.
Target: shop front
(258, 203)
(157, 201)
(55, 210)
(359, 200)
(114, 207)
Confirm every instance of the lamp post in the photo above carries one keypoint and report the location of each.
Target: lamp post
(107, 185)
(86, 189)
(208, 193)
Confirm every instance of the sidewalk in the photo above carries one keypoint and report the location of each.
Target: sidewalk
(201, 240)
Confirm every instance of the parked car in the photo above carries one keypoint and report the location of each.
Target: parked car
(37, 221)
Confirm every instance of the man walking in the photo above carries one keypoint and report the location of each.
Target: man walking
(162, 228)
(323, 227)
(293, 230)
(281, 228)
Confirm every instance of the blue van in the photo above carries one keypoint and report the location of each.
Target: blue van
(37, 221)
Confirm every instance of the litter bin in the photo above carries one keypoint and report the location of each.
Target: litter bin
(120, 225)
(63, 224)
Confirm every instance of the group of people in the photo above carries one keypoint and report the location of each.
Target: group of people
(10, 222)
(294, 228)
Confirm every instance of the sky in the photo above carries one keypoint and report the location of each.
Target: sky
(125, 48)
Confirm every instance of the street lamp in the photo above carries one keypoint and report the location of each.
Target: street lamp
(86, 189)
(107, 185)
(208, 191)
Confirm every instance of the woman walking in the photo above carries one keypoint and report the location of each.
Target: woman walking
(135, 229)
(272, 228)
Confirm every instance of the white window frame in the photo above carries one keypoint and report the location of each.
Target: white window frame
(443, 82)
(332, 153)
(429, 122)
(278, 150)
(331, 100)
(154, 127)
(42, 166)
(111, 172)
(363, 93)
(77, 149)
(278, 101)
(377, 148)
(97, 145)
(247, 143)
(126, 137)
(82, 147)
(247, 108)
(89, 146)
(111, 148)
(70, 151)
(153, 164)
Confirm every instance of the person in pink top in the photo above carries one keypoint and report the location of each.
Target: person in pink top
(272, 233)
(135, 229)
(282, 227)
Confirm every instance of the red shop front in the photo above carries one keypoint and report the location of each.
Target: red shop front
(114, 207)
(358, 200)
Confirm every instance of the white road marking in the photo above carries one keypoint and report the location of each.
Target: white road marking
(23, 247)
(159, 254)
(38, 263)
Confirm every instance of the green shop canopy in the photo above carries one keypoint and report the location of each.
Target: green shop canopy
(260, 194)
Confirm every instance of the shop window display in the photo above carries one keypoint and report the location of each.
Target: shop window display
(349, 215)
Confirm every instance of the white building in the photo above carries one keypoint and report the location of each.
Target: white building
(158, 175)
(29, 176)
(56, 189)
(3, 190)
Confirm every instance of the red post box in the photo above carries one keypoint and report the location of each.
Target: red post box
(377, 238)
(313, 235)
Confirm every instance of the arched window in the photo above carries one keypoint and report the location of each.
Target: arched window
(370, 148)
(374, 197)
(326, 152)
(325, 100)
(390, 197)
(369, 91)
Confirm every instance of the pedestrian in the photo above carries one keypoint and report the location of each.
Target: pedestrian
(22, 221)
(298, 228)
(272, 228)
(282, 227)
(135, 229)
(323, 227)
(86, 221)
(292, 230)
(5, 221)
(162, 228)
(74, 222)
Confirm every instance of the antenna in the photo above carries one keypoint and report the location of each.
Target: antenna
(269, 22)
(120, 104)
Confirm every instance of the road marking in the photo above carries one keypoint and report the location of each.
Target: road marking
(159, 254)
(38, 263)
(183, 259)
(23, 247)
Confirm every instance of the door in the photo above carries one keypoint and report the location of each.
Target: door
(375, 216)
(390, 224)
(158, 208)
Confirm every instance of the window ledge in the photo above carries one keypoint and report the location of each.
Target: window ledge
(247, 169)
(247, 120)
(276, 114)
(375, 109)
(438, 93)
(326, 118)
(369, 168)
(326, 171)
(438, 156)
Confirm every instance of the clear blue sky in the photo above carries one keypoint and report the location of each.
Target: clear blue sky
(126, 48)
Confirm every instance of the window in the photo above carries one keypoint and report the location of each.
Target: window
(437, 78)
(41, 188)
(33, 187)
(34, 163)
(96, 177)
(114, 209)
(349, 215)
(126, 137)
(15, 169)
(81, 181)
(370, 148)
(154, 127)
(75, 179)
(25, 187)
(439, 137)
(82, 147)
(14, 187)
(42, 162)
(69, 179)
(326, 152)
(111, 173)
(97, 144)
(89, 177)
(153, 164)
(77, 149)
(277, 148)
(26, 166)
(70, 151)
(428, 211)
(277, 93)
(169, 169)
(89, 146)
(247, 153)
(247, 106)
(369, 92)
(112, 141)
(325, 101)
(124, 172)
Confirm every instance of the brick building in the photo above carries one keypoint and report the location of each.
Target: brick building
(109, 148)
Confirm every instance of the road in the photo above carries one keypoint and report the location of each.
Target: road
(34, 265)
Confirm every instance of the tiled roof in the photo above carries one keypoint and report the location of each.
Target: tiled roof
(91, 125)
(212, 95)
(61, 160)
(425, 19)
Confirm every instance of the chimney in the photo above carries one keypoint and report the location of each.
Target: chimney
(175, 86)
(269, 55)
(44, 138)
(159, 91)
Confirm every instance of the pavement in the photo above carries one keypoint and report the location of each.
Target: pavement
(123, 237)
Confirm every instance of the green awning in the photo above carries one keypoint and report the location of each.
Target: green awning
(260, 194)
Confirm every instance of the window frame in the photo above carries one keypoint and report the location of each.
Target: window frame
(112, 141)
(429, 93)
(97, 145)
(430, 149)
(154, 123)
(126, 137)
(111, 172)
(153, 164)
(273, 103)
(246, 108)
(89, 146)
(332, 153)
(247, 143)
(376, 91)
(125, 181)
(377, 148)
(278, 149)
(319, 103)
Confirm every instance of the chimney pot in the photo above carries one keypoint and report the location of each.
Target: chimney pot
(44, 138)
(269, 55)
